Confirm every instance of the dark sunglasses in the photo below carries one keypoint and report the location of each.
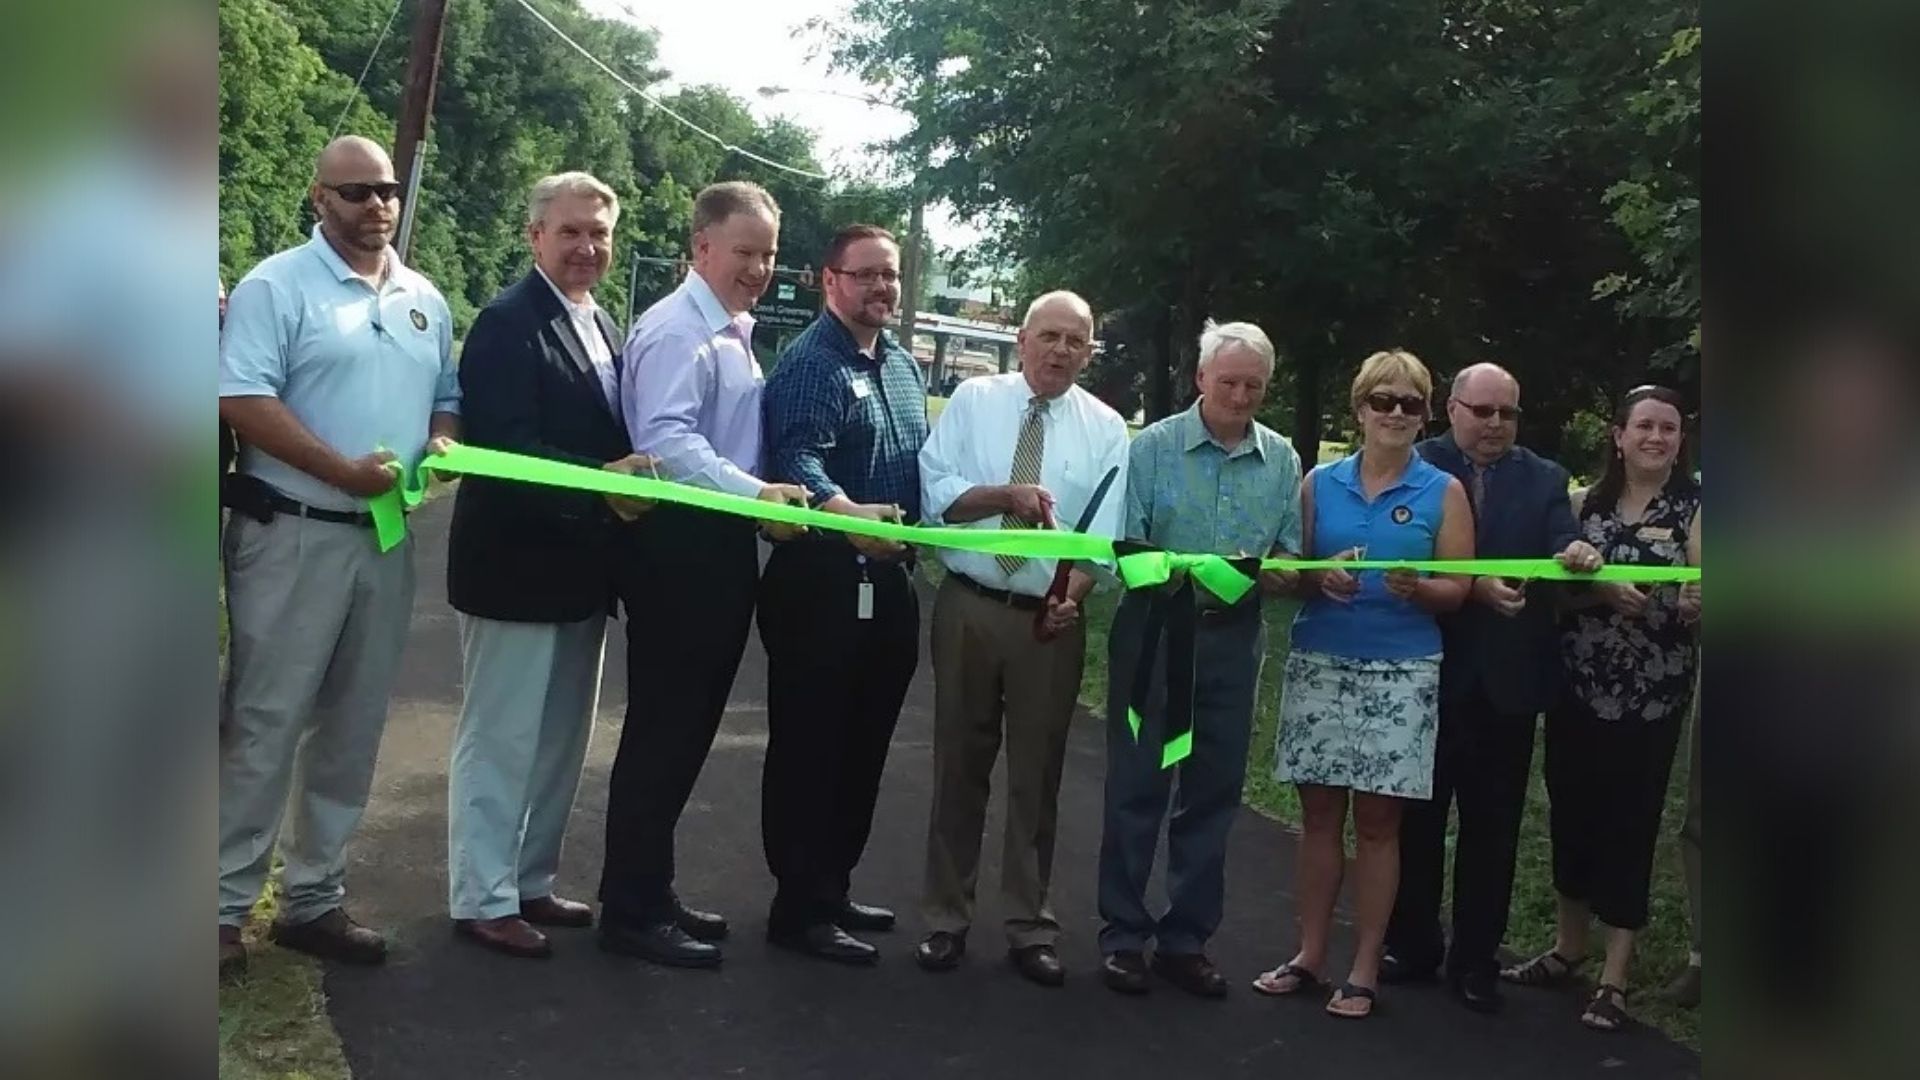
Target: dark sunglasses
(359, 193)
(1509, 413)
(1411, 405)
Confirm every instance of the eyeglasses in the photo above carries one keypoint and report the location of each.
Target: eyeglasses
(869, 275)
(1410, 405)
(1508, 413)
(359, 193)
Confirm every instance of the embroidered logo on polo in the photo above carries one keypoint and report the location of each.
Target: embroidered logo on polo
(1402, 515)
(419, 319)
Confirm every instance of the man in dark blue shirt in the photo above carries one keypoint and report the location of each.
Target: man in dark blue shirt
(846, 413)
(1500, 667)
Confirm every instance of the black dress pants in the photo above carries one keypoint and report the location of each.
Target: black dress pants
(835, 684)
(1482, 763)
(688, 579)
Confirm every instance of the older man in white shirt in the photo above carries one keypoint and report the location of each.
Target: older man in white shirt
(1011, 451)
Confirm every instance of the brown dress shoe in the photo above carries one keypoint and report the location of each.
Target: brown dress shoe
(1039, 963)
(233, 953)
(1191, 972)
(332, 936)
(554, 911)
(508, 934)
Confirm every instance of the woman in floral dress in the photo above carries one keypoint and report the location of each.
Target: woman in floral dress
(1360, 711)
(1630, 655)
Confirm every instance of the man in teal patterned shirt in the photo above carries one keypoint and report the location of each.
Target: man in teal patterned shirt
(1210, 479)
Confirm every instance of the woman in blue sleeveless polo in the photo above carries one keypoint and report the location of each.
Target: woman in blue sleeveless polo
(1359, 710)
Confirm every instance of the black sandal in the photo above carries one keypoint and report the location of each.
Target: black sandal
(1607, 1009)
(1350, 992)
(1303, 980)
(1547, 969)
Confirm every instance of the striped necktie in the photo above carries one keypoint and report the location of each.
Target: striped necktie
(1027, 452)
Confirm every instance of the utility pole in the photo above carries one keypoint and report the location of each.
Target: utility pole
(416, 110)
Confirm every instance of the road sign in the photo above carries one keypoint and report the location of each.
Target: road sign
(787, 305)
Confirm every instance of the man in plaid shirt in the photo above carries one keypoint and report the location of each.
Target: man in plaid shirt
(846, 414)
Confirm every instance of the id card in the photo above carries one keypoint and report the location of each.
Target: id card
(861, 388)
(864, 608)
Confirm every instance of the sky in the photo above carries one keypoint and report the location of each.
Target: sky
(756, 47)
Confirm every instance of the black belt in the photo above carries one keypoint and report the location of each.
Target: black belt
(1020, 601)
(295, 508)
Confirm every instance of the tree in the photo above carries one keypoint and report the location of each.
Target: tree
(1350, 174)
(514, 103)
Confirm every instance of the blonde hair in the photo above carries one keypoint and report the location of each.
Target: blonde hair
(549, 188)
(1391, 365)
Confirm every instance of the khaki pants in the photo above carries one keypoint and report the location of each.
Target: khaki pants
(992, 677)
(318, 617)
(526, 714)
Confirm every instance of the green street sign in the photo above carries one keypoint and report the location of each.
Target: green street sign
(787, 305)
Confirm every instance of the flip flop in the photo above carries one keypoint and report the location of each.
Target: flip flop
(1350, 992)
(1302, 980)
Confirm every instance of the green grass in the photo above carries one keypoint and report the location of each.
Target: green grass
(1659, 954)
(273, 1020)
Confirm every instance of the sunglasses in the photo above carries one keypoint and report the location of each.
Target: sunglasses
(1509, 413)
(1411, 405)
(359, 193)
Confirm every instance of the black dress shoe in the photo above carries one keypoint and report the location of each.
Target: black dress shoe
(1191, 972)
(662, 943)
(855, 916)
(1395, 971)
(1479, 991)
(826, 942)
(699, 925)
(1125, 972)
(1039, 963)
(941, 951)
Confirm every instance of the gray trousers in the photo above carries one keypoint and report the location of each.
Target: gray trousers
(525, 718)
(1205, 788)
(990, 676)
(317, 618)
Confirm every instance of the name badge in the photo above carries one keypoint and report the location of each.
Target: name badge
(863, 604)
(861, 388)
(1653, 534)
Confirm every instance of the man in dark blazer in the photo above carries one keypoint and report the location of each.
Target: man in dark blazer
(529, 568)
(1499, 669)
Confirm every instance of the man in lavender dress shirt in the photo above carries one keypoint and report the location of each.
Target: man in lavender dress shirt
(690, 394)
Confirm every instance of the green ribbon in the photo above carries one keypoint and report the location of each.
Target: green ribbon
(1215, 573)
(1228, 579)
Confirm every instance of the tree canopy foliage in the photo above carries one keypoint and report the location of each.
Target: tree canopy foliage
(514, 103)
(1476, 180)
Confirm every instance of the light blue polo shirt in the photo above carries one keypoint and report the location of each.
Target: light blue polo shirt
(363, 369)
(1402, 522)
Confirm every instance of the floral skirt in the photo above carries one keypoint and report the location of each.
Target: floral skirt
(1369, 725)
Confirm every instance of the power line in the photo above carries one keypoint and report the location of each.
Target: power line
(663, 107)
(362, 80)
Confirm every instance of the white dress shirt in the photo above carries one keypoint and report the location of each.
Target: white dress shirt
(972, 445)
(599, 353)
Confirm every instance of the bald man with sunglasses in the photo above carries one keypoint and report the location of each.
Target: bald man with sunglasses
(336, 367)
(1499, 665)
